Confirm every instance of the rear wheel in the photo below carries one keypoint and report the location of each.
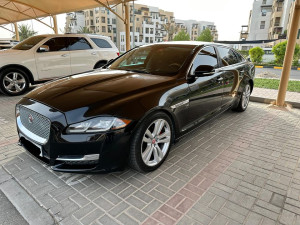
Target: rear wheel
(244, 100)
(151, 142)
(13, 81)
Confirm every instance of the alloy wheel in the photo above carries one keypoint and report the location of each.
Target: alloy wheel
(14, 82)
(156, 142)
(246, 96)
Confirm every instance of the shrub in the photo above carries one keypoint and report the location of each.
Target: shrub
(256, 54)
(280, 49)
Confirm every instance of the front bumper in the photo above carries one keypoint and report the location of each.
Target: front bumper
(73, 152)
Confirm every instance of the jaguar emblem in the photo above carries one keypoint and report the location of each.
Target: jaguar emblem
(30, 118)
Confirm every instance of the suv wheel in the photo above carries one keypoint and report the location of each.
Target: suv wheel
(13, 82)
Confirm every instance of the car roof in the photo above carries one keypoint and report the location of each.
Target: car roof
(193, 43)
(72, 35)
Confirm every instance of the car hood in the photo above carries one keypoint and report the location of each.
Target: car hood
(103, 89)
(10, 52)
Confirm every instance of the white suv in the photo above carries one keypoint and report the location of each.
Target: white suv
(45, 57)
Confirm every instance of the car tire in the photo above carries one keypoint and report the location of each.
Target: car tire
(151, 142)
(99, 65)
(13, 81)
(244, 99)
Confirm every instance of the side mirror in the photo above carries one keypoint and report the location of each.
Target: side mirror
(203, 71)
(249, 59)
(43, 48)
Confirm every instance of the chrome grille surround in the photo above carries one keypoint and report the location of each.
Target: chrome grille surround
(34, 125)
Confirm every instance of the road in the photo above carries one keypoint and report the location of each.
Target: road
(295, 74)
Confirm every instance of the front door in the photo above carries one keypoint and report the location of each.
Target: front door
(205, 91)
(53, 58)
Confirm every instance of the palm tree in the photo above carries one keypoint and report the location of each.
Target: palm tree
(171, 30)
(84, 30)
(25, 32)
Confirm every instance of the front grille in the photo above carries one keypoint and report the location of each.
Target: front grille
(35, 122)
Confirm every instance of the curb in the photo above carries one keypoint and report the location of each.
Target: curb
(276, 67)
(269, 101)
(33, 213)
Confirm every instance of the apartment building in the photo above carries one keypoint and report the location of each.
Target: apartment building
(101, 21)
(268, 20)
(74, 22)
(194, 28)
(151, 24)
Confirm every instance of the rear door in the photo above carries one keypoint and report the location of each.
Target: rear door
(83, 56)
(53, 58)
(233, 71)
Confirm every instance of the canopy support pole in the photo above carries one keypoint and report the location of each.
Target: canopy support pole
(17, 32)
(55, 24)
(127, 25)
(288, 59)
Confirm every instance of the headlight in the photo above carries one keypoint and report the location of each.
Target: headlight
(98, 125)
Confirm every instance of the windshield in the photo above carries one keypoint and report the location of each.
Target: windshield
(28, 43)
(165, 60)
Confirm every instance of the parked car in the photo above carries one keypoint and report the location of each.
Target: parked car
(45, 57)
(134, 108)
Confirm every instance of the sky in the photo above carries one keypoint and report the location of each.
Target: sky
(228, 15)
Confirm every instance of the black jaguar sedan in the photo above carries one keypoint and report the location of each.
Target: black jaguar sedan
(134, 108)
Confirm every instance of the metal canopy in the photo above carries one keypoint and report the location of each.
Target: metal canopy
(12, 11)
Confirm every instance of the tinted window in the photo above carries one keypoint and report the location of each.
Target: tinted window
(227, 56)
(78, 43)
(101, 43)
(164, 60)
(207, 57)
(28, 43)
(57, 44)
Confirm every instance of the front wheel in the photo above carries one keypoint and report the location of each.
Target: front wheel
(151, 142)
(13, 82)
(244, 100)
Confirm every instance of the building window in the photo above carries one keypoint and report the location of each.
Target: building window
(147, 39)
(298, 37)
(147, 30)
(115, 39)
(151, 31)
(108, 20)
(102, 19)
(115, 30)
(264, 2)
(92, 22)
(91, 13)
(263, 12)
(103, 29)
(97, 19)
(113, 21)
(262, 24)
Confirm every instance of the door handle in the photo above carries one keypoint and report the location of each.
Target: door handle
(64, 55)
(93, 53)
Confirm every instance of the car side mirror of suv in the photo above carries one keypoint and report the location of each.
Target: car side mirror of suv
(203, 71)
(43, 48)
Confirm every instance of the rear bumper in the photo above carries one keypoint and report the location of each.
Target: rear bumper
(81, 153)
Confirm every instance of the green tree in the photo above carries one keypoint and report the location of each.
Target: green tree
(182, 36)
(25, 32)
(280, 49)
(84, 30)
(171, 29)
(256, 54)
(205, 36)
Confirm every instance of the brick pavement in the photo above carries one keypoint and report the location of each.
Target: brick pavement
(241, 168)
